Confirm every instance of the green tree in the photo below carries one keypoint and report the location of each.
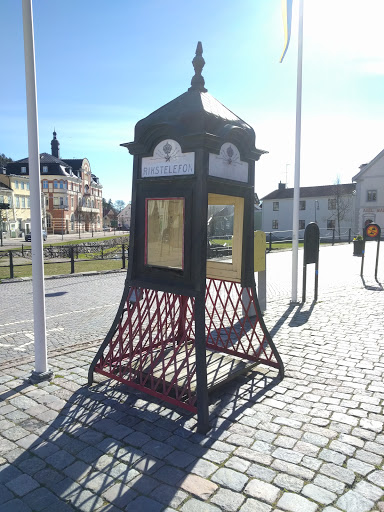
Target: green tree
(4, 160)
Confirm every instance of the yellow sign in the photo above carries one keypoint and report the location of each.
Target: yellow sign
(259, 242)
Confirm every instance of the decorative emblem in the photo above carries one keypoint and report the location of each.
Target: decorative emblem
(230, 154)
(167, 150)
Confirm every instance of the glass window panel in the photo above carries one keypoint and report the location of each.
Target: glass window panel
(220, 232)
(165, 232)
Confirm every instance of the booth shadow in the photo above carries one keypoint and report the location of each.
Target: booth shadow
(110, 443)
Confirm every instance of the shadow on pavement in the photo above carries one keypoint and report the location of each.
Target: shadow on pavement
(109, 447)
(378, 288)
(301, 317)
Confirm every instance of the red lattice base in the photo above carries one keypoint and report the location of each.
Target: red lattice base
(152, 344)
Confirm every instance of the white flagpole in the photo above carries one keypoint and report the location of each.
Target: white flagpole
(41, 371)
(296, 190)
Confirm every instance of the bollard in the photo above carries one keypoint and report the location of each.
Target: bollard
(333, 236)
(72, 260)
(270, 242)
(11, 264)
(349, 235)
(123, 255)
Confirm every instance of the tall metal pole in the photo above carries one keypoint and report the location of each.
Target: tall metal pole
(41, 371)
(296, 191)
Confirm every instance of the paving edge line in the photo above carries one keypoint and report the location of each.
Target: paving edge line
(63, 276)
(54, 353)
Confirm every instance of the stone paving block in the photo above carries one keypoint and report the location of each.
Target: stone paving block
(205, 468)
(369, 491)
(90, 454)
(375, 448)
(253, 456)
(119, 495)
(316, 439)
(15, 505)
(227, 500)
(332, 456)
(168, 474)
(288, 455)
(329, 483)
(293, 469)
(8, 473)
(40, 499)
(85, 501)
(344, 448)
(376, 426)
(261, 472)
(143, 484)
(240, 440)
(295, 503)
(354, 502)
(230, 479)
(360, 467)
(237, 464)
(60, 459)
(179, 459)
(22, 485)
(338, 473)
(318, 494)
(5, 494)
(31, 465)
(198, 486)
(288, 482)
(262, 491)
(377, 477)
(144, 503)
(252, 505)
(168, 495)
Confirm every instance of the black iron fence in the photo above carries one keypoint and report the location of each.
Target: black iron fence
(331, 236)
(60, 254)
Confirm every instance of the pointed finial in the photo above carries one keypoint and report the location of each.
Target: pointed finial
(197, 82)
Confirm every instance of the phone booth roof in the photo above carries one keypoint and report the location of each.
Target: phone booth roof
(192, 114)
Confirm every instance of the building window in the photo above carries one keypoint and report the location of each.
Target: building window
(276, 206)
(55, 184)
(45, 168)
(27, 185)
(16, 184)
(17, 201)
(22, 185)
(371, 195)
(302, 205)
(28, 202)
(23, 201)
(49, 221)
(55, 201)
(46, 201)
(61, 184)
(23, 170)
(301, 224)
(72, 202)
(331, 204)
(275, 224)
(331, 224)
(45, 183)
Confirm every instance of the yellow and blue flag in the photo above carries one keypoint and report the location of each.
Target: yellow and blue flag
(287, 19)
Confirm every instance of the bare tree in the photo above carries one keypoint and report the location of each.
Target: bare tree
(340, 204)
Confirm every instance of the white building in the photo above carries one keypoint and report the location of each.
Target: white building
(332, 207)
(124, 217)
(370, 193)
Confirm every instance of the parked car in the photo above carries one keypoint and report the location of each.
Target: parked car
(28, 236)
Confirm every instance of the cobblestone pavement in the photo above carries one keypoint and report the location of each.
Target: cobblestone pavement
(312, 442)
(78, 309)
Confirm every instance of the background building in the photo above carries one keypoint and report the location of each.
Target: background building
(370, 193)
(332, 207)
(72, 195)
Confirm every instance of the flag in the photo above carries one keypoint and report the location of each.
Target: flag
(287, 19)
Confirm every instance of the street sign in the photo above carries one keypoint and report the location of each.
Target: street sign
(372, 232)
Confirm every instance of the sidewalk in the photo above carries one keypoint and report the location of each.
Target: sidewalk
(312, 442)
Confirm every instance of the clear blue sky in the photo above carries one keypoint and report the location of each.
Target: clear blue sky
(102, 66)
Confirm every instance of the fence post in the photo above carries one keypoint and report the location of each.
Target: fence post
(102, 252)
(123, 255)
(72, 260)
(349, 235)
(22, 249)
(333, 236)
(11, 275)
(270, 241)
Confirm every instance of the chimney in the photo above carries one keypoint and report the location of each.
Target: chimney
(361, 167)
(282, 186)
